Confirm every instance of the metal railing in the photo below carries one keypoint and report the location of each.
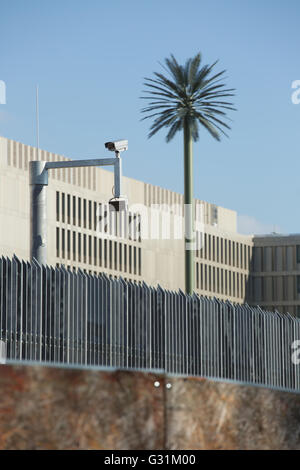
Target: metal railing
(54, 316)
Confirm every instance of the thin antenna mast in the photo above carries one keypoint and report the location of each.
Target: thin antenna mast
(37, 120)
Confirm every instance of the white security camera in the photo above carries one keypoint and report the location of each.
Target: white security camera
(117, 146)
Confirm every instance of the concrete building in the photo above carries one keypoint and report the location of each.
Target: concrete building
(275, 273)
(143, 244)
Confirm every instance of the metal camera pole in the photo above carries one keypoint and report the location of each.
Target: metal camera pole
(38, 180)
(38, 174)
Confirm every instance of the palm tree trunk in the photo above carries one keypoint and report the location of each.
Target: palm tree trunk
(188, 206)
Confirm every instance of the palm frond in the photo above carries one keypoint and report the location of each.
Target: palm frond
(156, 127)
(193, 68)
(189, 94)
(174, 128)
(176, 70)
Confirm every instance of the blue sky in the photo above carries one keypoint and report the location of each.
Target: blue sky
(89, 59)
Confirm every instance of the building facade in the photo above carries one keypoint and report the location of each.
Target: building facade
(275, 273)
(145, 243)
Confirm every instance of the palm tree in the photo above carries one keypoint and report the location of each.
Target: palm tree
(190, 96)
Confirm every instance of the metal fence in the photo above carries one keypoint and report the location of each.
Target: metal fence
(55, 316)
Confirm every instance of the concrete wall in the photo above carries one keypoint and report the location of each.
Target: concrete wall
(45, 408)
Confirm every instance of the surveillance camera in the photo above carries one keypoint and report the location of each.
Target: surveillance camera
(117, 146)
(118, 204)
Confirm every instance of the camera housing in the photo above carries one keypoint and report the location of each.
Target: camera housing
(117, 145)
(118, 204)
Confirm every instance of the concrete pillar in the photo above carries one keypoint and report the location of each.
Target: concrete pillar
(258, 289)
(279, 258)
(267, 259)
(289, 258)
(257, 259)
